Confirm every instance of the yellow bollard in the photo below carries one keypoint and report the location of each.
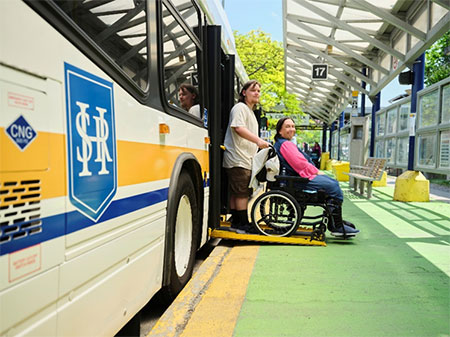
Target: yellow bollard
(382, 182)
(339, 168)
(412, 186)
(323, 160)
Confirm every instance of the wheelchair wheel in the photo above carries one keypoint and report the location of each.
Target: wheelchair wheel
(276, 213)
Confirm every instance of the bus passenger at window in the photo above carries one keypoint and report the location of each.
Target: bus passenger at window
(295, 163)
(189, 99)
(241, 144)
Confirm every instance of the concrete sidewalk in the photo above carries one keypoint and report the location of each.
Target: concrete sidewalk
(392, 280)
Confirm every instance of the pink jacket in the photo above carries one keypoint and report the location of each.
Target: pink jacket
(297, 161)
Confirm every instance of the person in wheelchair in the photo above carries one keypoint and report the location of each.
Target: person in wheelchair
(295, 164)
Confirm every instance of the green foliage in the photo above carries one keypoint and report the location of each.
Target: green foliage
(437, 64)
(309, 136)
(263, 59)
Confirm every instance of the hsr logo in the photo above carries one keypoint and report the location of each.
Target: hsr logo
(91, 142)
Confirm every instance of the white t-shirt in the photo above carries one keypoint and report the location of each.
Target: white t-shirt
(239, 151)
(195, 110)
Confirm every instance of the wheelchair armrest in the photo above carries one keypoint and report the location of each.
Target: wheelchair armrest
(292, 178)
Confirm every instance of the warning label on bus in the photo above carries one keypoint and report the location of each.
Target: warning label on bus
(24, 262)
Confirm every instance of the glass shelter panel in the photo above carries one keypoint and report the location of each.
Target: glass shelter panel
(403, 116)
(380, 124)
(445, 104)
(391, 124)
(379, 148)
(426, 151)
(444, 151)
(390, 150)
(402, 150)
(344, 148)
(429, 109)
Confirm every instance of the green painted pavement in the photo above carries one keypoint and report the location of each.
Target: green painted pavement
(392, 280)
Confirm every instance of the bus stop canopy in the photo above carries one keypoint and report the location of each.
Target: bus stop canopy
(354, 45)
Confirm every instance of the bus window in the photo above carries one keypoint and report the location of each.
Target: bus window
(118, 28)
(181, 51)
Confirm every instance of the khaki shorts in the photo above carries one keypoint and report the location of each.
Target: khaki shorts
(239, 178)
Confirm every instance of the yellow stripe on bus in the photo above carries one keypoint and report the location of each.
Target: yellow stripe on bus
(44, 160)
(138, 162)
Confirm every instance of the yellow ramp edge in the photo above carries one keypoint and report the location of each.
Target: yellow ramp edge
(412, 186)
(298, 239)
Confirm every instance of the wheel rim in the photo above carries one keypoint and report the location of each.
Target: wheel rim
(183, 235)
(285, 220)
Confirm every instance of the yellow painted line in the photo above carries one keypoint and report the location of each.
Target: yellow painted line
(175, 317)
(219, 308)
(210, 303)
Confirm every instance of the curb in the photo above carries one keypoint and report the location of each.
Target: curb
(176, 317)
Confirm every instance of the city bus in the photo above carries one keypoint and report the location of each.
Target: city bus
(107, 185)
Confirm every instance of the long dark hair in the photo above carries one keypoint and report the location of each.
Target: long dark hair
(279, 125)
(249, 84)
(193, 90)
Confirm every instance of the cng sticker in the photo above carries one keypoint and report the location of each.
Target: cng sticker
(21, 133)
(91, 141)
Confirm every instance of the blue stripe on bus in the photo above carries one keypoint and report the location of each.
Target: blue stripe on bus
(54, 226)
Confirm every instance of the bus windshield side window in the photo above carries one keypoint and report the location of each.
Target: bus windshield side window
(118, 28)
(181, 50)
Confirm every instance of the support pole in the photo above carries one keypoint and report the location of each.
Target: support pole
(412, 185)
(331, 137)
(324, 137)
(375, 108)
(419, 73)
(363, 96)
(341, 125)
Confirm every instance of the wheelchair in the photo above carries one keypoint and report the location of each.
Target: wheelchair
(280, 210)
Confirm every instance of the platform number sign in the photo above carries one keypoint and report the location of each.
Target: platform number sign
(91, 141)
(319, 71)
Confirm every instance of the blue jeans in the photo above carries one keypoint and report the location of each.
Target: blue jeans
(323, 182)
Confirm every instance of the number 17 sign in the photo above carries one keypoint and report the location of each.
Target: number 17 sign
(319, 72)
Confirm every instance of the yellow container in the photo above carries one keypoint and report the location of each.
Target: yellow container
(323, 160)
(338, 170)
(329, 163)
(382, 182)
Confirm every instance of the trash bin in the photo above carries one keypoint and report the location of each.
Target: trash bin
(323, 160)
(339, 168)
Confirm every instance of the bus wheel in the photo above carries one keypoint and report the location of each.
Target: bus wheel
(183, 237)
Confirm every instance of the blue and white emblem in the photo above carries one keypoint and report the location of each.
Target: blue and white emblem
(91, 141)
(21, 133)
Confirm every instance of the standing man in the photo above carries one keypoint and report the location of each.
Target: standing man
(241, 144)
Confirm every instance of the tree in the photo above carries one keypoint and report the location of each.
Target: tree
(437, 62)
(263, 59)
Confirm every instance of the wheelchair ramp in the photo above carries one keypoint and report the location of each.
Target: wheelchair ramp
(301, 237)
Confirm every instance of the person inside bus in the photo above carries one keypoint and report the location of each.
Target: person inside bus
(189, 99)
(295, 164)
(241, 144)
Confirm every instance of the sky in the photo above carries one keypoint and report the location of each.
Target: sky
(267, 15)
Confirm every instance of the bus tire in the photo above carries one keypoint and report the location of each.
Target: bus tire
(182, 237)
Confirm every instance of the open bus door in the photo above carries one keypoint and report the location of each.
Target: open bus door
(220, 99)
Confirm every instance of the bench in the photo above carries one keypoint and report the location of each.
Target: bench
(372, 171)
